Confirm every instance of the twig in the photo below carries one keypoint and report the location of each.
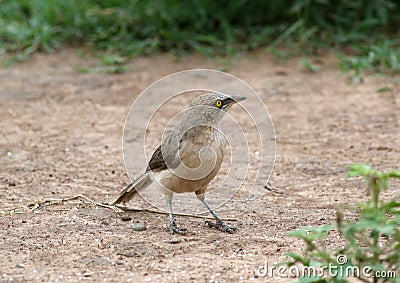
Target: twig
(61, 200)
(117, 209)
(269, 188)
(179, 214)
(114, 208)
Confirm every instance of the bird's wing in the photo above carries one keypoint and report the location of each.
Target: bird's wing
(157, 162)
(166, 155)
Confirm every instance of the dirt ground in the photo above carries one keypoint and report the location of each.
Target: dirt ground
(61, 134)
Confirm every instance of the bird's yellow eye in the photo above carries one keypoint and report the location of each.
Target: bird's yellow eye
(218, 103)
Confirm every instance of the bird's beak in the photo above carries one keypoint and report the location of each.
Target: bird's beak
(238, 98)
(233, 99)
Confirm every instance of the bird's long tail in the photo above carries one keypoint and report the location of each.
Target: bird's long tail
(139, 184)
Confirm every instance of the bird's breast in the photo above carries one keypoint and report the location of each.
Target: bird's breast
(200, 160)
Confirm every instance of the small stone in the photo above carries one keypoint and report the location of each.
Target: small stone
(119, 262)
(20, 265)
(87, 274)
(138, 226)
(126, 218)
(174, 241)
(12, 184)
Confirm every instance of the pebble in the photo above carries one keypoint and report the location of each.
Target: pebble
(138, 226)
(119, 262)
(20, 265)
(126, 218)
(174, 241)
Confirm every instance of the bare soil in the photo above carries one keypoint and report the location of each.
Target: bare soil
(61, 136)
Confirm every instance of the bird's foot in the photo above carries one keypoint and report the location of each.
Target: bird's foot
(220, 225)
(175, 229)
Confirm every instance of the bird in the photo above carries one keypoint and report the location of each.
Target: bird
(189, 157)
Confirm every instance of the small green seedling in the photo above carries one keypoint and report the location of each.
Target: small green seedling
(371, 249)
(308, 65)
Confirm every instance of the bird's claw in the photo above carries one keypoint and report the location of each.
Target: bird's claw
(220, 225)
(178, 230)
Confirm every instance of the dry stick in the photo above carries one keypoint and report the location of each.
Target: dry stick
(269, 188)
(60, 200)
(179, 214)
(121, 209)
(114, 208)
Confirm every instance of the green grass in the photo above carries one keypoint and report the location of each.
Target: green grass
(308, 65)
(370, 241)
(377, 57)
(214, 28)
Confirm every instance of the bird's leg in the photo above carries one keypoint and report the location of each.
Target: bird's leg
(219, 224)
(172, 225)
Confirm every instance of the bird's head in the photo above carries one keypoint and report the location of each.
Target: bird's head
(210, 107)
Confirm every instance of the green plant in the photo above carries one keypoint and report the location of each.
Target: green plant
(380, 57)
(371, 243)
(308, 65)
(213, 28)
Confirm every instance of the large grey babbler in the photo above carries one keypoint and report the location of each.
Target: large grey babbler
(190, 157)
